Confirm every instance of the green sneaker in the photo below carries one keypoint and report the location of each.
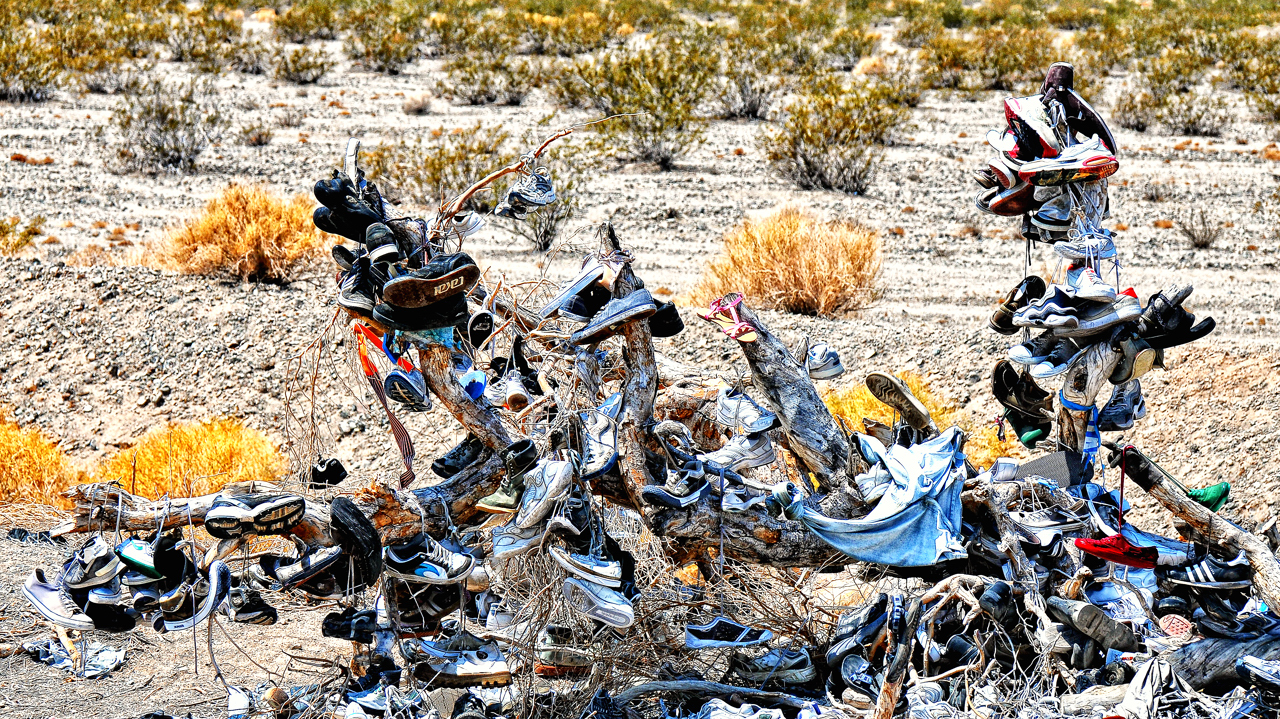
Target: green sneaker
(1211, 498)
(1029, 430)
(518, 458)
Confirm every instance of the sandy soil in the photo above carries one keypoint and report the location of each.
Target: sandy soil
(98, 355)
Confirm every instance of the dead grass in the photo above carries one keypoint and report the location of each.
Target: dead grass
(982, 445)
(14, 239)
(34, 469)
(793, 261)
(193, 459)
(246, 232)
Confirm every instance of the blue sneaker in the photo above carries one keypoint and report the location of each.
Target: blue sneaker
(615, 314)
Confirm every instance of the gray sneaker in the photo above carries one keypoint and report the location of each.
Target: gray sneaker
(1125, 406)
(54, 602)
(736, 409)
(95, 563)
(512, 541)
(545, 485)
(742, 452)
(589, 566)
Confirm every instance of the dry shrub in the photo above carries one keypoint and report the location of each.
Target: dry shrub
(417, 105)
(14, 240)
(91, 256)
(1199, 230)
(791, 260)
(383, 35)
(982, 444)
(302, 65)
(430, 169)
(193, 459)
(246, 232)
(165, 127)
(30, 70)
(34, 468)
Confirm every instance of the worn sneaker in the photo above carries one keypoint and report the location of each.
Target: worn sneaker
(108, 594)
(327, 472)
(1262, 673)
(590, 567)
(1029, 121)
(822, 362)
(781, 666)
(741, 452)
(600, 437)
(515, 396)
(590, 274)
(1093, 622)
(361, 286)
(683, 489)
(1084, 282)
(442, 277)
(423, 559)
(722, 633)
(92, 565)
(518, 458)
(409, 388)
(599, 602)
(236, 515)
(895, 393)
(381, 244)
(463, 660)
(1085, 162)
(139, 556)
(741, 500)
(558, 654)
(1055, 309)
(512, 541)
(54, 602)
(1035, 350)
(544, 486)
(461, 225)
(614, 315)
(532, 190)
(1125, 406)
(310, 565)
(190, 605)
(1094, 320)
(1136, 357)
(1029, 289)
(1016, 391)
(245, 605)
(735, 409)
(1213, 573)
(459, 458)
(1119, 550)
(572, 515)
(1063, 354)
(1091, 246)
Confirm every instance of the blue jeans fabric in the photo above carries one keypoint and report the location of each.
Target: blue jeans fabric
(917, 521)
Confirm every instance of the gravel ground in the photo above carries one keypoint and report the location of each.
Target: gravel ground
(98, 355)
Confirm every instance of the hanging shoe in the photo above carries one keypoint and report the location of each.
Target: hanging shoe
(1029, 289)
(894, 392)
(1119, 550)
(409, 388)
(423, 559)
(723, 313)
(723, 633)
(736, 410)
(1212, 573)
(1125, 406)
(518, 458)
(1212, 497)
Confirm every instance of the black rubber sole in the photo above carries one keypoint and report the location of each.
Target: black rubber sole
(277, 518)
(414, 292)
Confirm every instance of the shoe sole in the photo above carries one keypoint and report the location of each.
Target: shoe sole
(1067, 175)
(493, 509)
(1095, 623)
(608, 329)
(582, 572)
(407, 396)
(275, 518)
(893, 392)
(784, 676)
(584, 279)
(385, 253)
(414, 292)
(448, 681)
(219, 588)
(56, 619)
(1213, 585)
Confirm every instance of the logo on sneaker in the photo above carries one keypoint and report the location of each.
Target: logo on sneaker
(455, 282)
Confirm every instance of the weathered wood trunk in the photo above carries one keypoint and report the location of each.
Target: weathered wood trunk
(1082, 384)
(1213, 661)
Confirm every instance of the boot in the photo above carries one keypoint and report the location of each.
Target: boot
(517, 458)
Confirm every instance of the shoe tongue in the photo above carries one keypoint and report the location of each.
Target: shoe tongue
(1130, 293)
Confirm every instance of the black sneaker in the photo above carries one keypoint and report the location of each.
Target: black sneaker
(308, 566)
(327, 473)
(94, 564)
(618, 312)
(458, 458)
(335, 191)
(351, 625)
(584, 305)
(358, 538)
(1030, 288)
(443, 277)
(1215, 574)
(246, 606)
(110, 618)
(1035, 350)
(445, 313)
(381, 244)
(603, 706)
(666, 322)
(233, 516)
(343, 257)
(723, 632)
(361, 287)
(349, 222)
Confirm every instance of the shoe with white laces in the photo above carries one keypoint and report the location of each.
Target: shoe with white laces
(532, 190)
(1030, 122)
(683, 488)
(736, 409)
(1057, 308)
(1083, 162)
(600, 437)
(463, 660)
(423, 559)
(741, 452)
(599, 602)
(572, 515)
(1084, 283)
(1125, 406)
(1054, 215)
(783, 666)
(95, 563)
(545, 485)
(1088, 246)
(54, 602)
(1094, 320)
(722, 633)
(515, 396)
(822, 362)
(590, 567)
(109, 593)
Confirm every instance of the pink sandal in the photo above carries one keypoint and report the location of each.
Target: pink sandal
(724, 314)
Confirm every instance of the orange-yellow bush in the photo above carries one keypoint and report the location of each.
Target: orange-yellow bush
(982, 444)
(34, 468)
(793, 261)
(247, 232)
(193, 459)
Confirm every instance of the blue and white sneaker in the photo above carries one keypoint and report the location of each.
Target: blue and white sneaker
(423, 559)
(408, 388)
(1125, 406)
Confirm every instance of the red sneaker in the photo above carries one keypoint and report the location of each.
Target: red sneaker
(1119, 550)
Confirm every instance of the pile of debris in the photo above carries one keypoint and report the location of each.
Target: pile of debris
(621, 535)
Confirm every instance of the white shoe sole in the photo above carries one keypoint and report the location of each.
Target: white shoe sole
(56, 618)
(619, 616)
(828, 373)
(562, 558)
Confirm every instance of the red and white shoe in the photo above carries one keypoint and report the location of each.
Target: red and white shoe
(1029, 121)
(1085, 162)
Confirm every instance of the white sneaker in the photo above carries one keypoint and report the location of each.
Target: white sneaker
(742, 452)
(543, 487)
(599, 602)
(512, 541)
(600, 437)
(590, 568)
(1085, 283)
(735, 408)
(515, 396)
